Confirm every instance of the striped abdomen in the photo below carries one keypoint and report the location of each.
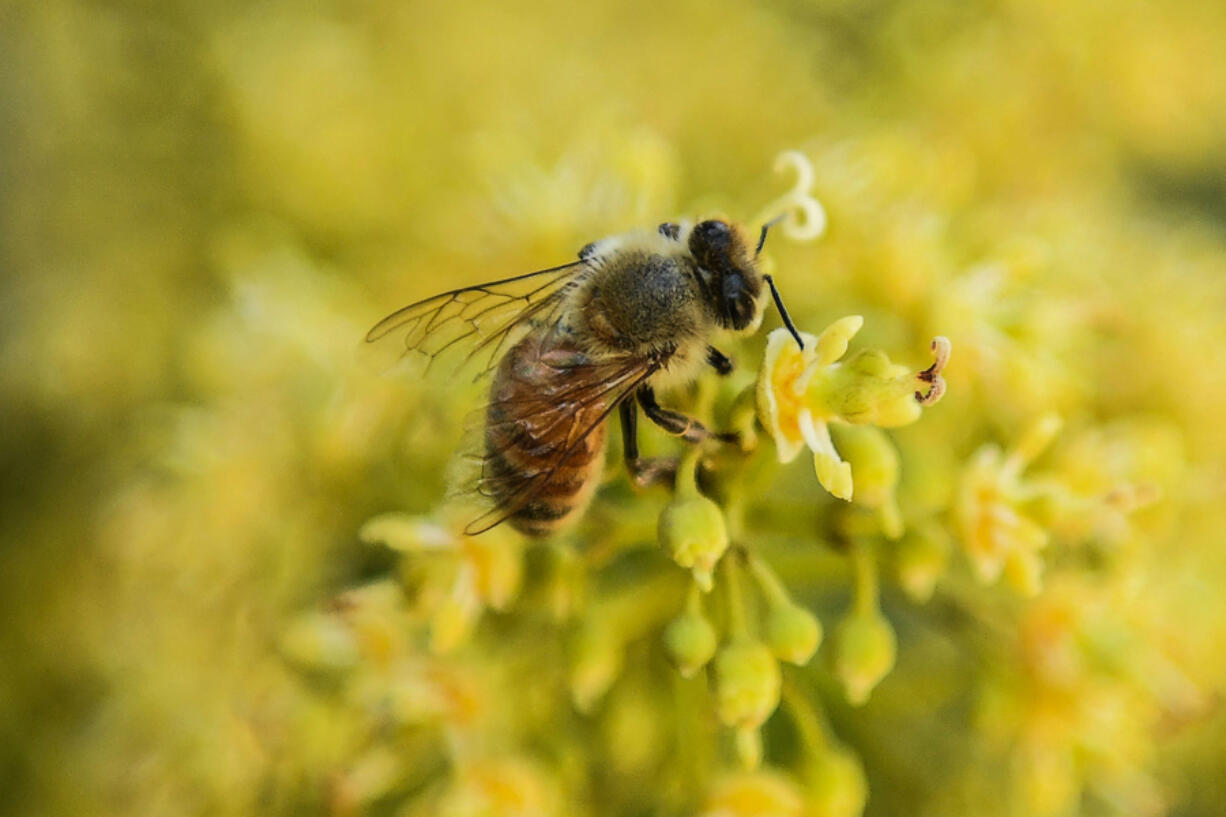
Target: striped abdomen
(544, 433)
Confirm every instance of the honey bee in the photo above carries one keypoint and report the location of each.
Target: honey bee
(570, 344)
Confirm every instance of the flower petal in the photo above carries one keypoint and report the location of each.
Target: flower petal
(832, 472)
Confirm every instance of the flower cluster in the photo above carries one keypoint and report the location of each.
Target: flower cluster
(234, 585)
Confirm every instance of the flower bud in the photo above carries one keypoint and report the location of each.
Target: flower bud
(692, 531)
(835, 784)
(862, 653)
(875, 468)
(792, 632)
(746, 683)
(922, 556)
(690, 641)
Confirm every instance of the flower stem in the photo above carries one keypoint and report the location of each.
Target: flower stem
(738, 621)
(864, 564)
(805, 716)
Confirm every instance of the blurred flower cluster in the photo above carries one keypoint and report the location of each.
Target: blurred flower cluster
(236, 582)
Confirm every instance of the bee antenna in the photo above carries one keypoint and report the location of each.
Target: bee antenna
(783, 312)
(762, 237)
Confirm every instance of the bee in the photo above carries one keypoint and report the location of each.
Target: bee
(570, 344)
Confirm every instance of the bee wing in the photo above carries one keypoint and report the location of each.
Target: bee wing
(481, 318)
(594, 389)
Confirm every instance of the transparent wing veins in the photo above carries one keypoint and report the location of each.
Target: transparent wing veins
(485, 315)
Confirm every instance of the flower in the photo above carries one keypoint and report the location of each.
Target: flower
(486, 570)
(801, 391)
(996, 532)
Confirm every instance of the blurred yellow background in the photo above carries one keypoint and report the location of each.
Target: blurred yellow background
(204, 205)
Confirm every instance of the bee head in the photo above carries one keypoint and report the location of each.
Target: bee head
(732, 281)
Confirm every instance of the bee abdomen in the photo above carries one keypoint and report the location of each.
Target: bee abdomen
(542, 457)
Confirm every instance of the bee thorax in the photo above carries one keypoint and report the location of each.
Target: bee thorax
(641, 301)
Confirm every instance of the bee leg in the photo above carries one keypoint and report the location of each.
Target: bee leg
(719, 361)
(676, 423)
(644, 472)
(670, 230)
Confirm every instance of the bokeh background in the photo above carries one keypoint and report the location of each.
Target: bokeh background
(203, 205)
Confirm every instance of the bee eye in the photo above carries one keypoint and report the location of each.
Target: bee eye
(733, 285)
(738, 301)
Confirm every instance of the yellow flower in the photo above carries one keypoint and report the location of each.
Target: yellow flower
(487, 569)
(997, 535)
(801, 391)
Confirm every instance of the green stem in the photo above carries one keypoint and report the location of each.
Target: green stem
(734, 511)
(805, 716)
(738, 621)
(864, 563)
(772, 588)
(687, 472)
(693, 602)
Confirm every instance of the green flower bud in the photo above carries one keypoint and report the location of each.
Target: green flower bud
(793, 633)
(875, 469)
(690, 641)
(692, 531)
(863, 652)
(835, 784)
(746, 683)
(922, 557)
